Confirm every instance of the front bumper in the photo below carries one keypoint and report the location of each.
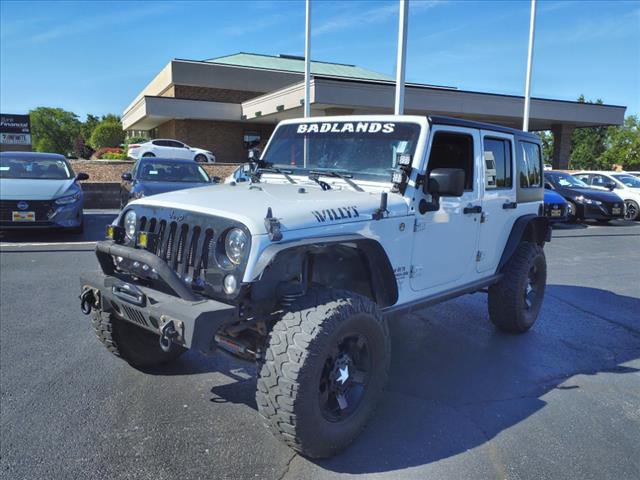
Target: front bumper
(196, 319)
(599, 212)
(63, 216)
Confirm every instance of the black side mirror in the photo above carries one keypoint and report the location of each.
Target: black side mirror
(216, 179)
(610, 186)
(82, 176)
(126, 176)
(445, 182)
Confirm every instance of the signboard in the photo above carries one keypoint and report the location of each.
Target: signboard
(15, 129)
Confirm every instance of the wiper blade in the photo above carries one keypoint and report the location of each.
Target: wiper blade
(285, 174)
(341, 176)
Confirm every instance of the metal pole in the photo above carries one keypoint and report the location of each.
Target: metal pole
(402, 51)
(527, 87)
(307, 60)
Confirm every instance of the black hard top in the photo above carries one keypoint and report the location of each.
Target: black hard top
(28, 155)
(459, 122)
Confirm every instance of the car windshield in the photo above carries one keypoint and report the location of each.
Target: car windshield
(34, 168)
(168, 171)
(628, 180)
(566, 180)
(359, 149)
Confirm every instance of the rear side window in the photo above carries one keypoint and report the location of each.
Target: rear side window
(497, 160)
(453, 150)
(530, 165)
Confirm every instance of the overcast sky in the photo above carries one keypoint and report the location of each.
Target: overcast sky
(95, 57)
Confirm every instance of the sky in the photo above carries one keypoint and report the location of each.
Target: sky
(95, 57)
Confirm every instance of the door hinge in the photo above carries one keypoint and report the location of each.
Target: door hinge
(418, 225)
(415, 271)
(479, 255)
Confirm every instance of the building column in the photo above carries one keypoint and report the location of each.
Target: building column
(561, 145)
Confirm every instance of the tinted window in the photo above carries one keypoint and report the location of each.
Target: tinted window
(453, 150)
(530, 164)
(628, 180)
(173, 143)
(167, 171)
(497, 159)
(600, 181)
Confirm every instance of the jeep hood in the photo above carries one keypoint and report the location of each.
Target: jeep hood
(296, 206)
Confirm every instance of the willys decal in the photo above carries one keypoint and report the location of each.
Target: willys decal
(333, 214)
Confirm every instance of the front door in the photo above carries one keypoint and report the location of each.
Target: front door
(445, 241)
(499, 207)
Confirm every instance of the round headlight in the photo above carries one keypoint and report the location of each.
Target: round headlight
(130, 224)
(235, 245)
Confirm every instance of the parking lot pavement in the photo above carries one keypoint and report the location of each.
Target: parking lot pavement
(464, 402)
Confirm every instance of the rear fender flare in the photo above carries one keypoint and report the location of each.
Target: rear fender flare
(532, 228)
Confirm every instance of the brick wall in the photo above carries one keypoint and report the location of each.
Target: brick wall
(212, 94)
(224, 139)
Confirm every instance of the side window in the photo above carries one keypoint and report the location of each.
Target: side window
(583, 177)
(174, 144)
(453, 150)
(497, 160)
(160, 143)
(530, 165)
(600, 181)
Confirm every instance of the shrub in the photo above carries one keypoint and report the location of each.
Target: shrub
(114, 156)
(102, 151)
(81, 149)
(107, 134)
(131, 140)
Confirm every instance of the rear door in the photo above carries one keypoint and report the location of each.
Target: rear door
(499, 206)
(445, 241)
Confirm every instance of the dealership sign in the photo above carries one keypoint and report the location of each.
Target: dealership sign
(15, 129)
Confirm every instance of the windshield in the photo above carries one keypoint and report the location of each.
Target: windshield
(628, 180)
(34, 168)
(566, 180)
(167, 171)
(361, 149)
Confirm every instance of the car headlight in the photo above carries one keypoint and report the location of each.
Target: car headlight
(68, 199)
(235, 245)
(587, 201)
(130, 224)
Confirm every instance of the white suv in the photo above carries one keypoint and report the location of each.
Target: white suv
(166, 148)
(624, 184)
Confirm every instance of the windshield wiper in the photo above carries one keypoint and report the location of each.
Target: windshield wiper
(331, 173)
(277, 170)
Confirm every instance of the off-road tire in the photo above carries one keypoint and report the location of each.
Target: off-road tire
(137, 346)
(289, 376)
(507, 306)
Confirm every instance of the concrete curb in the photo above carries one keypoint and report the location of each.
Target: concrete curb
(101, 195)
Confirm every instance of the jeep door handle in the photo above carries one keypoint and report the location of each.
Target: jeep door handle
(509, 205)
(473, 209)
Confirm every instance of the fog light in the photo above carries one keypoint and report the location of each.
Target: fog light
(110, 232)
(230, 284)
(143, 239)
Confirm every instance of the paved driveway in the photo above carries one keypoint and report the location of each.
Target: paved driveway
(464, 401)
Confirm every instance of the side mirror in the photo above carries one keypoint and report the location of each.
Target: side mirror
(610, 186)
(216, 179)
(82, 176)
(445, 182)
(126, 176)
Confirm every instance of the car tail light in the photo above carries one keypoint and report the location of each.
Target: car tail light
(134, 146)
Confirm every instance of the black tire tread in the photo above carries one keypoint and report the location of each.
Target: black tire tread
(291, 341)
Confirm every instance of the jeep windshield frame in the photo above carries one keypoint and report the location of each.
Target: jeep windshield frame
(361, 150)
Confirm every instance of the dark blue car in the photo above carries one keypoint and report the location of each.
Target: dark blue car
(151, 175)
(556, 208)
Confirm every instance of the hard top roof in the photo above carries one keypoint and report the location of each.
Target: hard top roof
(460, 122)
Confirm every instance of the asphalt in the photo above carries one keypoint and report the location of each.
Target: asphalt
(464, 402)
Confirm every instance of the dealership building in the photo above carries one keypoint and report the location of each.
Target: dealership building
(229, 103)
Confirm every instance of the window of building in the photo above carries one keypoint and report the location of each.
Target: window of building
(453, 150)
(530, 165)
(497, 159)
(251, 139)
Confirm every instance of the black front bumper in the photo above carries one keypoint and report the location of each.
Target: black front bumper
(195, 318)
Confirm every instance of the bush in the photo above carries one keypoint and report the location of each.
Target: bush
(81, 149)
(98, 154)
(114, 156)
(131, 140)
(107, 134)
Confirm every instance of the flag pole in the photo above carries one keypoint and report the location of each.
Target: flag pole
(402, 51)
(307, 60)
(527, 87)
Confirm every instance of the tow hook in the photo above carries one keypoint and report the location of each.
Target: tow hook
(167, 334)
(88, 300)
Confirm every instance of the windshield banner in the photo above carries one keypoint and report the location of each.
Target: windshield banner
(346, 127)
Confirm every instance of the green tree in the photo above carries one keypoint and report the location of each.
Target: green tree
(546, 139)
(623, 145)
(89, 125)
(587, 145)
(54, 130)
(107, 134)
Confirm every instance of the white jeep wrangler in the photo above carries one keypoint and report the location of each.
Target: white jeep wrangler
(344, 221)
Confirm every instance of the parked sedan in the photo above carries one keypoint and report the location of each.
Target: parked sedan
(626, 187)
(584, 202)
(39, 190)
(556, 208)
(151, 176)
(166, 148)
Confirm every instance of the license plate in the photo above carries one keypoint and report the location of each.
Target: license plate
(616, 211)
(24, 216)
(556, 213)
